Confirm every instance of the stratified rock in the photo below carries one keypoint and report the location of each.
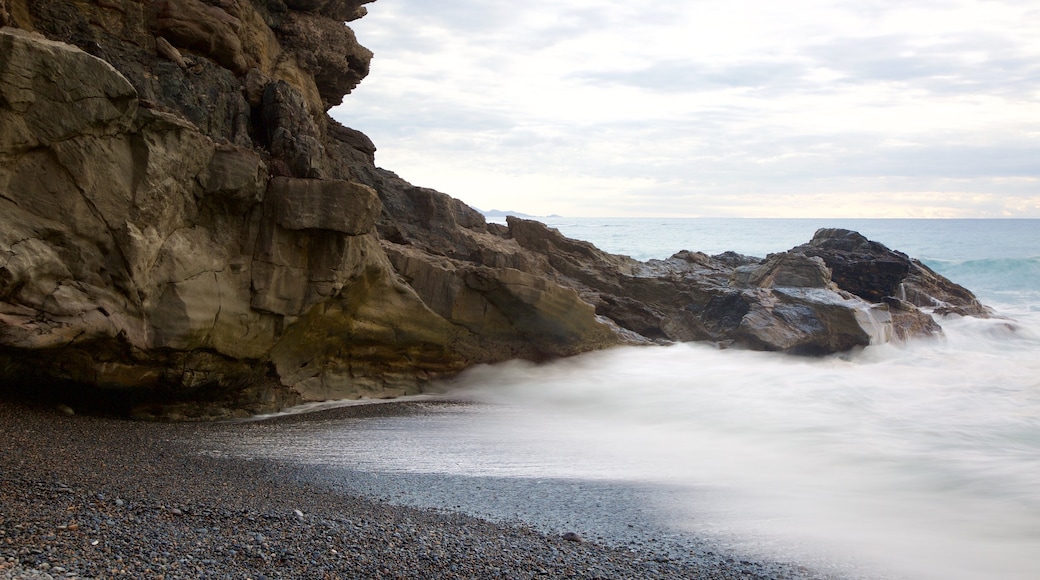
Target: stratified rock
(312, 243)
(127, 238)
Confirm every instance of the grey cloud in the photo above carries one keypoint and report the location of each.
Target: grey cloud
(553, 22)
(679, 76)
(770, 156)
(955, 161)
(939, 67)
(412, 113)
(469, 15)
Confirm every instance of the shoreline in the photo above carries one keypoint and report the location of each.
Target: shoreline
(93, 497)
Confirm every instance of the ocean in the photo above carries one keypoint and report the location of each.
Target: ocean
(917, 461)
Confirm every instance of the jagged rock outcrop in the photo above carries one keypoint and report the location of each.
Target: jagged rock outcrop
(146, 250)
(181, 221)
(875, 273)
(786, 302)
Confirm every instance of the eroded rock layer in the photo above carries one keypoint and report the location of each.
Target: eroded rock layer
(180, 220)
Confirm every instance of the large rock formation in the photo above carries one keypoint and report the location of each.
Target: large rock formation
(181, 221)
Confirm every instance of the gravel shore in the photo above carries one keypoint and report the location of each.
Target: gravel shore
(92, 497)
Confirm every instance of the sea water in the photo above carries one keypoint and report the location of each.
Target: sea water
(905, 461)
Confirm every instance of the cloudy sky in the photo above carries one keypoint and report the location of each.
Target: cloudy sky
(742, 108)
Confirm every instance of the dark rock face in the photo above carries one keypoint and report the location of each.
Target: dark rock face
(292, 137)
(865, 268)
(875, 273)
(180, 219)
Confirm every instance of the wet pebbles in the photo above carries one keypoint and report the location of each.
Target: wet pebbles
(89, 497)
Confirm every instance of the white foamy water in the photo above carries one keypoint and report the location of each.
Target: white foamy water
(913, 461)
(922, 461)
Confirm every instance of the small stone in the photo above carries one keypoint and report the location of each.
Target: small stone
(176, 512)
(65, 410)
(573, 537)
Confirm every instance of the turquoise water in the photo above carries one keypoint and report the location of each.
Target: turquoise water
(897, 461)
(645, 238)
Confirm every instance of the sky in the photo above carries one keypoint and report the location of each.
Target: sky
(694, 108)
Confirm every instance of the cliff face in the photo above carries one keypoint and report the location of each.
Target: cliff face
(178, 215)
(180, 218)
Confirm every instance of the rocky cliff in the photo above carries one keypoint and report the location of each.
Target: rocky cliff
(180, 220)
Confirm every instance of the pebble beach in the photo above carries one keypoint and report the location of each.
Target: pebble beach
(96, 497)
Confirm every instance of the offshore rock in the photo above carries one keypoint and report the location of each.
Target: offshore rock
(876, 273)
(788, 302)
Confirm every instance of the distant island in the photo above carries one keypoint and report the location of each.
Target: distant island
(501, 214)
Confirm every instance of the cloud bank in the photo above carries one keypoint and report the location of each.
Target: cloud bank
(868, 108)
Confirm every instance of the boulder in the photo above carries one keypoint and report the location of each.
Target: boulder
(811, 321)
(875, 273)
(50, 94)
(308, 204)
